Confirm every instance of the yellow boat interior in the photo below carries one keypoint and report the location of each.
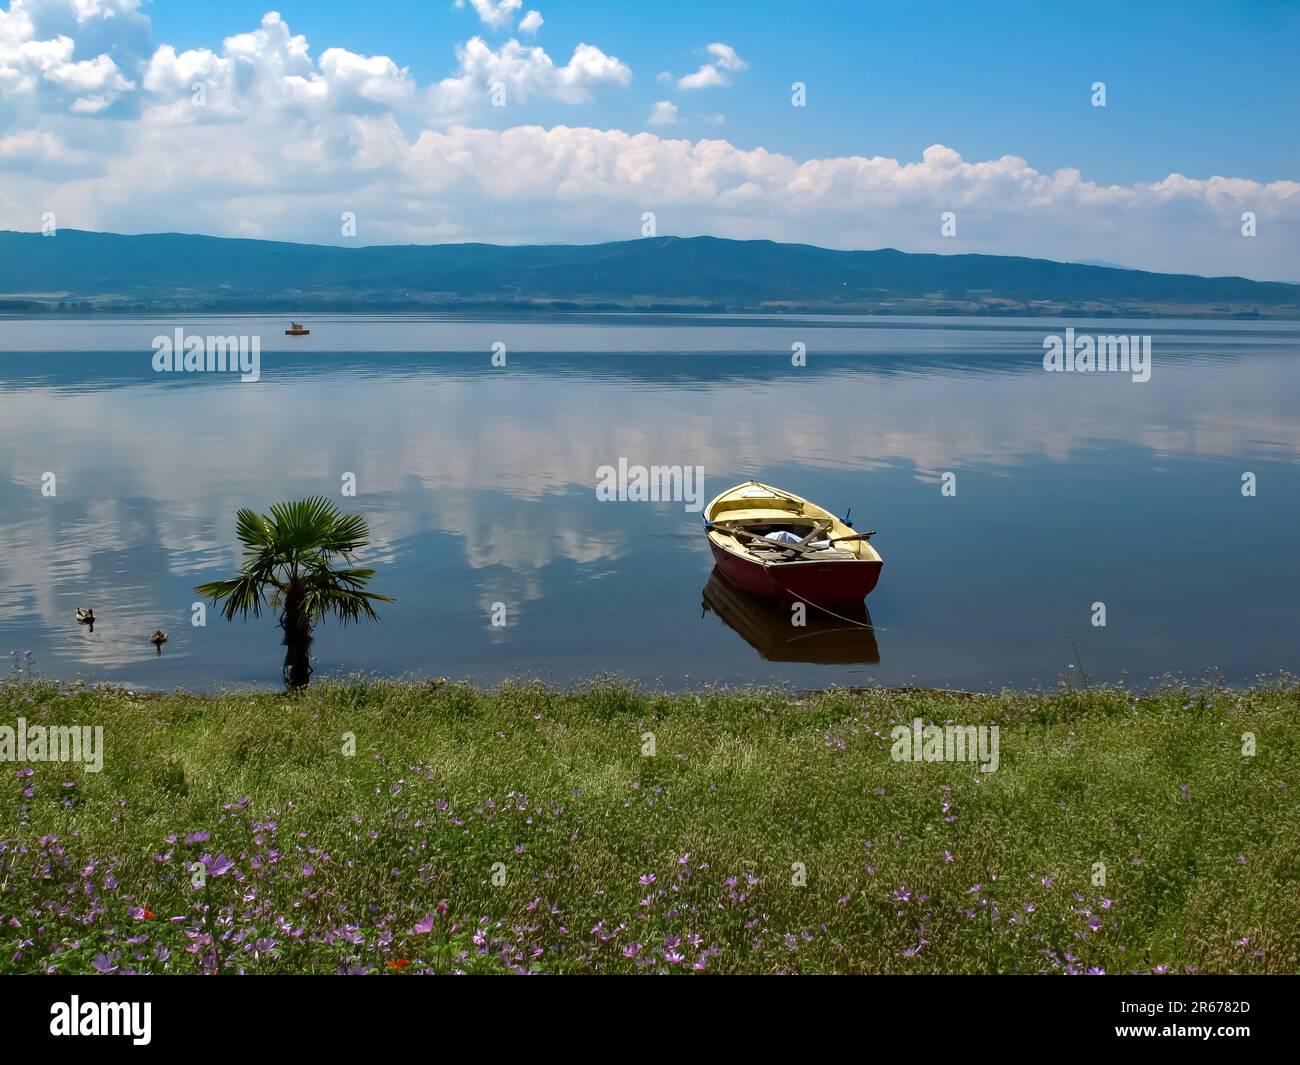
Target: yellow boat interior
(761, 522)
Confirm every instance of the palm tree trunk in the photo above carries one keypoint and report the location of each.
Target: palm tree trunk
(297, 638)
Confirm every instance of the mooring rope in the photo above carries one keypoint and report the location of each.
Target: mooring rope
(860, 624)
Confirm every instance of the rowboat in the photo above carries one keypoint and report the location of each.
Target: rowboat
(767, 627)
(781, 546)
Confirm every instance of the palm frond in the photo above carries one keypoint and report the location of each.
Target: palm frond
(241, 595)
(354, 578)
(252, 530)
(347, 535)
(304, 524)
(346, 604)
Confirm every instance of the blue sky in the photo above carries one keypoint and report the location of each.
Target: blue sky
(1195, 87)
(384, 111)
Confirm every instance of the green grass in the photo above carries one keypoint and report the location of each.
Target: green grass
(553, 790)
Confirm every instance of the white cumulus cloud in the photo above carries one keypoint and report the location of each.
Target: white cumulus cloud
(664, 113)
(272, 67)
(526, 71)
(56, 55)
(498, 14)
(725, 61)
(99, 124)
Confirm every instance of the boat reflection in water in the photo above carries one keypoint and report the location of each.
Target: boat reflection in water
(765, 624)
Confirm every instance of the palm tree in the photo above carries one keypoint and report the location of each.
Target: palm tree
(289, 563)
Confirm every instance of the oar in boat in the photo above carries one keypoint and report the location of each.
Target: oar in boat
(817, 529)
(855, 536)
(763, 541)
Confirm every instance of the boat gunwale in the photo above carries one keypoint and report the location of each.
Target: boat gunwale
(731, 544)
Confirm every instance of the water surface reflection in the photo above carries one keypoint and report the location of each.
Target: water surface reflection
(478, 483)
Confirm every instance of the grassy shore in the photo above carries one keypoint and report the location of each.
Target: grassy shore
(524, 828)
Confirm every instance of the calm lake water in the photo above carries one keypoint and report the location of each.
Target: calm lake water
(478, 484)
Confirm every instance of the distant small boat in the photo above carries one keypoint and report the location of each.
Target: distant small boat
(779, 545)
(297, 329)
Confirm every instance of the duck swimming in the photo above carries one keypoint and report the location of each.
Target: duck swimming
(158, 639)
(86, 617)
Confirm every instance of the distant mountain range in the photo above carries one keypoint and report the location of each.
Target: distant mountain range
(77, 272)
(1100, 262)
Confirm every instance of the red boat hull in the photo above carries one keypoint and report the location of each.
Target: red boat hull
(825, 584)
